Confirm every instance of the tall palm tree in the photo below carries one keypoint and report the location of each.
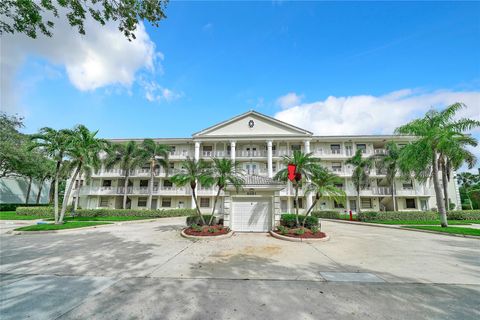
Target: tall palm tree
(305, 164)
(54, 143)
(390, 163)
(128, 156)
(193, 171)
(83, 151)
(361, 173)
(223, 172)
(433, 133)
(453, 155)
(323, 184)
(157, 155)
(46, 172)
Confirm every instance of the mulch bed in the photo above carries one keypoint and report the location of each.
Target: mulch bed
(307, 235)
(219, 230)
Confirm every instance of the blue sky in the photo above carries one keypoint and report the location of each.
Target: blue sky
(329, 67)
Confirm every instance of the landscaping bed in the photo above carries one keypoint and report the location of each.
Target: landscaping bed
(206, 231)
(300, 233)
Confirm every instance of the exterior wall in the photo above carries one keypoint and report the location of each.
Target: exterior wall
(14, 190)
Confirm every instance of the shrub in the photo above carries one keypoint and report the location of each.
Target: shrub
(196, 227)
(195, 219)
(326, 214)
(300, 231)
(48, 212)
(212, 230)
(464, 215)
(14, 206)
(288, 220)
(396, 215)
(314, 229)
(282, 229)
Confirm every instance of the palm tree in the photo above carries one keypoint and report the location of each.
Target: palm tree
(46, 172)
(84, 152)
(158, 155)
(323, 184)
(467, 182)
(127, 156)
(223, 172)
(305, 164)
(390, 162)
(433, 133)
(193, 171)
(54, 143)
(453, 155)
(361, 172)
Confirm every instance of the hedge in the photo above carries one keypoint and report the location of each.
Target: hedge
(195, 219)
(288, 220)
(416, 215)
(326, 214)
(14, 206)
(48, 212)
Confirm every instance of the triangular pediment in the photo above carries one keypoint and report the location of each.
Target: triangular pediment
(252, 123)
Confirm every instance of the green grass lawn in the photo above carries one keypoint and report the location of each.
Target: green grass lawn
(67, 225)
(110, 218)
(429, 222)
(11, 215)
(455, 230)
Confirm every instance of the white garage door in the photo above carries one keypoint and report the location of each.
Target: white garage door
(251, 214)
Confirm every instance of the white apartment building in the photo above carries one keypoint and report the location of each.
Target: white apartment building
(258, 143)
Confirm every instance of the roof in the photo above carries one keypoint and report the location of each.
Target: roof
(253, 179)
(258, 114)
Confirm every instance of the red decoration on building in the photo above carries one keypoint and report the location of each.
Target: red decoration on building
(291, 171)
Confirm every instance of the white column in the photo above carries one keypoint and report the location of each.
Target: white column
(308, 196)
(269, 155)
(197, 150)
(233, 144)
(306, 146)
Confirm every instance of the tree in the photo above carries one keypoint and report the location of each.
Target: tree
(433, 132)
(46, 171)
(83, 150)
(54, 143)
(193, 171)
(305, 164)
(361, 173)
(390, 163)
(128, 156)
(469, 186)
(223, 172)
(31, 16)
(323, 184)
(12, 155)
(157, 155)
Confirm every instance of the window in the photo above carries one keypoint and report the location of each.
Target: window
(366, 203)
(143, 183)
(78, 183)
(424, 205)
(336, 167)
(338, 205)
(274, 167)
(181, 205)
(207, 148)
(167, 183)
(172, 149)
(335, 148)
(339, 185)
(107, 183)
(166, 202)
(410, 204)
(142, 202)
(171, 166)
(204, 202)
(362, 146)
(103, 202)
(296, 147)
(251, 192)
(300, 203)
(407, 185)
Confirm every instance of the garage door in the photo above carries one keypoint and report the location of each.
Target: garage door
(251, 214)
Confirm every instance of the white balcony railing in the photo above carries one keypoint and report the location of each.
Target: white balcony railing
(179, 154)
(379, 151)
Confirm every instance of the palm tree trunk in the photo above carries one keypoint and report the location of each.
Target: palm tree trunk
(51, 191)
(196, 206)
(438, 192)
(358, 200)
(125, 186)
(28, 190)
(296, 205)
(55, 196)
(445, 188)
(214, 205)
(309, 210)
(150, 186)
(393, 196)
(77, 197)
(39, 194)
(67, 194)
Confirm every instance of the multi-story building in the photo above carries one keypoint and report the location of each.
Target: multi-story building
(258, 143)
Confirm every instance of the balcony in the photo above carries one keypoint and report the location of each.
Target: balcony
(329, 153)
(179, 154)
(217, 154)
(379, 151)
(134, 191)
(119, 173)
(251, 154)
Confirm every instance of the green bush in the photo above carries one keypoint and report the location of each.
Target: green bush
(14, 206)
(326, 214)
(195, 219)
(48, 212)
(314, 229)
(464, 215)
(416, 215)
(300, 231)
(288, 220)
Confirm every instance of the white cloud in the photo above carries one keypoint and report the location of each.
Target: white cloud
(367, 114)
(101, 58)
(154, 92)
(289, 100)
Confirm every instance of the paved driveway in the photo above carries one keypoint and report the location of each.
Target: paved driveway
(147, 271)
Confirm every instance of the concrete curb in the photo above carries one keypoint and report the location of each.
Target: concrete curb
(223, 236)
(59, 231)
(401, 227)
(280, 237)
